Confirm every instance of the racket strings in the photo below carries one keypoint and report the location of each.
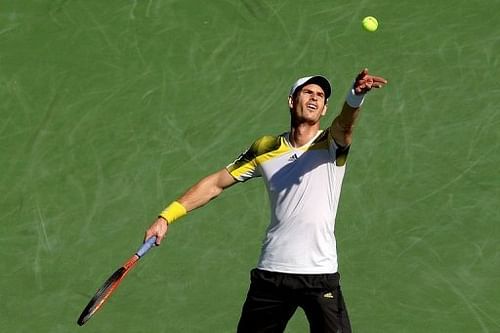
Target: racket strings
(102, 294)
(112, 283)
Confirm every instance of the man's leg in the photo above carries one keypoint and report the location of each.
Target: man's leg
(324, 307)
(268, 308)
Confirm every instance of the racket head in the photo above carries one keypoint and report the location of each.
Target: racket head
(112, 283)
(105, 291)
(101, 295)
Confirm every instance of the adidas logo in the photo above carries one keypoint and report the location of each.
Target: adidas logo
(328, 295)
(293, 157)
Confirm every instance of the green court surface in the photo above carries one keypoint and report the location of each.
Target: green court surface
(111, 109)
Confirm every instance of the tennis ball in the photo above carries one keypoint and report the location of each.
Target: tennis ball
(370, 23)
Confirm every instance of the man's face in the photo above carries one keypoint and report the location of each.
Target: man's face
(309, 104)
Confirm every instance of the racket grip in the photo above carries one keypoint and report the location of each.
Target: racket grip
(146, 246)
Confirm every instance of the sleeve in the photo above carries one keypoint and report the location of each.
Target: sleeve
(338, 152)
(246, 166)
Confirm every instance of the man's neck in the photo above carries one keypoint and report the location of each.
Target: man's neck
(302, 134)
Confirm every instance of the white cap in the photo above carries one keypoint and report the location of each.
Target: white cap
(320, 80)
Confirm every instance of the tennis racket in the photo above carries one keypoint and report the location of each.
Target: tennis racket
(112, 282)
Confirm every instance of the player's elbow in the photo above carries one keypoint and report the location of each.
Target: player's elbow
(343, 135)
(211, 188)
(215, 191)
(347, 137)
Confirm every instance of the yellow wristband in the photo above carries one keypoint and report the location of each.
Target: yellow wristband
(173, 212)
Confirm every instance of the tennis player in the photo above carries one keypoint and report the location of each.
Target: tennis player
(303, 171)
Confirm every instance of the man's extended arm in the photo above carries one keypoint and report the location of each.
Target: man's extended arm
(198, 195)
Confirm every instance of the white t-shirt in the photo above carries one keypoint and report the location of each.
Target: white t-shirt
(304, 189)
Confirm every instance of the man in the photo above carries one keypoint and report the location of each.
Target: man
(303, 171)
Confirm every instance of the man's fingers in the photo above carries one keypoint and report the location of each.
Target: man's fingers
(150, 233)
(379, 79)
(365, 82)
(159, 229)
(379, 82)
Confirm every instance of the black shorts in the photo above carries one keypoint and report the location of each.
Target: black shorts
(273, 298)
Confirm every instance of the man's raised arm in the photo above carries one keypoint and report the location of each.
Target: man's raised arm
(343, 125)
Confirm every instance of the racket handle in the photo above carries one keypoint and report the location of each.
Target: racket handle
(146, 246)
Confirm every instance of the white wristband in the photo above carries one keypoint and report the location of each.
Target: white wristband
(353, 100)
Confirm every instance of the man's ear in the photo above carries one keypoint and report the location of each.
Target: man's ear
(324, 110)
(290, 102)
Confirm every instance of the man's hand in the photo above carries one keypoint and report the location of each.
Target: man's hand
(159, 229)
(365, 82)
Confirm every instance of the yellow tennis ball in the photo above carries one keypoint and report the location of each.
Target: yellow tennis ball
(370, 23)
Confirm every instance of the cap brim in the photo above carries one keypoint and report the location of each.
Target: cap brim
(316, 79)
